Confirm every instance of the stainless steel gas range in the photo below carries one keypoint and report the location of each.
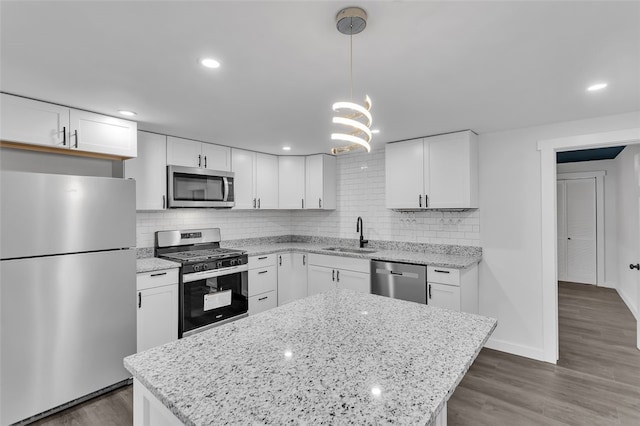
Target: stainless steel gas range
(213, 280)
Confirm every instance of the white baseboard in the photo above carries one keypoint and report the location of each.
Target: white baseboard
(608, 284)
(627, 301)
(515, 349)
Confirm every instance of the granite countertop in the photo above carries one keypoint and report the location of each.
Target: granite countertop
(154, 264)
(337, 357)
(419, 258)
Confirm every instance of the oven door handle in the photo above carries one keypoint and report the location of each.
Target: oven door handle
(187, 278)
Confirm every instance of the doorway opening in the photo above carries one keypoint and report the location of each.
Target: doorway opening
(548, 150)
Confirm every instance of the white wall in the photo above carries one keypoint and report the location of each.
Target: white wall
(510, 236)
(628, 226)
(610, 211)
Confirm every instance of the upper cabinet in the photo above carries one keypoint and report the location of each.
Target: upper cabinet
(437, 172)
(149, 170)
(190, 153)
(291, 177)
(255, 179)
(320, 182)
(26, 121)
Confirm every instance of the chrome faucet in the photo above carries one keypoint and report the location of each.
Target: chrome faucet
(359, 229)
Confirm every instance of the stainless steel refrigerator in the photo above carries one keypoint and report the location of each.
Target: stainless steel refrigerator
(67, 289)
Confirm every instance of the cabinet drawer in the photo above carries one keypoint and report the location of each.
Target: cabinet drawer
(340, 262)
(153, 279)
(261, 261)
(262, 302)
(262, 280)
(436, 274)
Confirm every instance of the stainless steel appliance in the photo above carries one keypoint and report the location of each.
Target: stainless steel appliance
(399, 281)
(67, 294)
(213, 280)
(197, 187)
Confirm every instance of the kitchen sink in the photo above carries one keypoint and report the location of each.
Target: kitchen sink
(349, 250)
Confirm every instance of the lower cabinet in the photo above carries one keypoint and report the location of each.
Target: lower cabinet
(292, 277)
(157, 308)
(263, 283)
(328, 272)
(455, 289)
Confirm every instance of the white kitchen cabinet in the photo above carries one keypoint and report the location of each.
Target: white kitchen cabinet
(320, 182)
(437, 172)
(33, 122)
(455, 289)
(149, 169)
(157, 308)
(263, 283)
(292, 277)
(329, 272)
(190, 153)
(255, 180)
(291, 182)
(26, 121)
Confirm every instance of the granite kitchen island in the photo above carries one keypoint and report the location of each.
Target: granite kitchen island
(334, 358)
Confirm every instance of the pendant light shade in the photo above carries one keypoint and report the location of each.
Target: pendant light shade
(354, 119)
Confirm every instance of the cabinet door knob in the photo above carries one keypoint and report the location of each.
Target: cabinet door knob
(636, 266)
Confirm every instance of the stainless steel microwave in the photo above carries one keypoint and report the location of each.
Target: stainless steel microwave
(197, 187)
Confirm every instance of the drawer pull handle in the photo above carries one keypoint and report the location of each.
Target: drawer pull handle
(441, 271)
(262, 258)
(395, 273)
(262, 272)
(429, 291)
(159, 274)
(263, 298)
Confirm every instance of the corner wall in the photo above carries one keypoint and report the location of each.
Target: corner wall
(510, 198)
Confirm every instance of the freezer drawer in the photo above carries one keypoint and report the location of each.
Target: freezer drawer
(399, 281)
(66, 322)
(45, 214)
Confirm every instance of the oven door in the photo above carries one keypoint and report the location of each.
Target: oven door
(212, 297)
(197, 187)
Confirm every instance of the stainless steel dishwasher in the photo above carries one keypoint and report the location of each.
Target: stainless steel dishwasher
(399, 281)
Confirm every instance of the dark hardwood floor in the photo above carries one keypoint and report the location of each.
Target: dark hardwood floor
(596, 381)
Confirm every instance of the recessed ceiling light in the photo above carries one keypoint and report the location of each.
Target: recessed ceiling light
(209, 63)
(127, 113)
(286, 148)
(375, 131)
(595, 87)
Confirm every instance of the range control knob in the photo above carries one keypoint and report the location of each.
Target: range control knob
(196, 268)
(205, 266)
(219, 264)
(232, 262)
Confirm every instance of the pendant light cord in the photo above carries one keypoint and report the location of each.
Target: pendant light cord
(351, 62)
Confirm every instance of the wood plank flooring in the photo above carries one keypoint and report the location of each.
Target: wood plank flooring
(596, 381)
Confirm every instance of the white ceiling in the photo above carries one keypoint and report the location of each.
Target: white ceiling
(429, 67)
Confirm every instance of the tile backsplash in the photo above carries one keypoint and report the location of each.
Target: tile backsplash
(360, 192)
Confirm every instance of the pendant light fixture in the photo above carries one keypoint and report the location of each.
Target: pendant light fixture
(354, 119)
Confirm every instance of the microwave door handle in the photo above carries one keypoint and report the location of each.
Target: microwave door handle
(225, 197)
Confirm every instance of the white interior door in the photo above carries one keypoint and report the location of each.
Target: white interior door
(562, 230)
(581, 230)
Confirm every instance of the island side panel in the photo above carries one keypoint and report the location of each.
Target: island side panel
(148, 410)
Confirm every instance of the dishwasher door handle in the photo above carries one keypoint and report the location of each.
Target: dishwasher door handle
(396, 273)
